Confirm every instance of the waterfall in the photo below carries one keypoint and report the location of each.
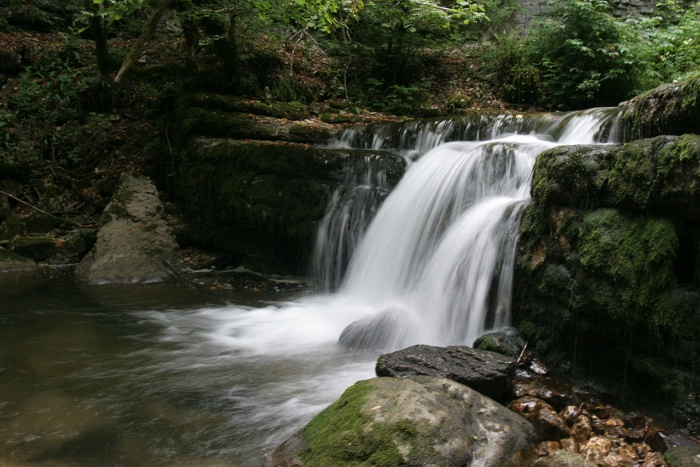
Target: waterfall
(417, 247)
(436, 261)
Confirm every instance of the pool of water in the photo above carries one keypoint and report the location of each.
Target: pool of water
(154, 375)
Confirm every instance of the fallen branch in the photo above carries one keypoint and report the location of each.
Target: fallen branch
(27, 204)
(141, 41)
(520, 358)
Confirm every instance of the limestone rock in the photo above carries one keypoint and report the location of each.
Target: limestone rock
(424, 421)
(135, 243)
(670, 109)
(489, 373)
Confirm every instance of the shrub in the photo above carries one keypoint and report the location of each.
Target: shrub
(582, 54)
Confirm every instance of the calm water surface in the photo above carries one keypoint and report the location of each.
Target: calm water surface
(161, 374)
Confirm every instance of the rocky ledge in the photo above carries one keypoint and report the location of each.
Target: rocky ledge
(420, 415)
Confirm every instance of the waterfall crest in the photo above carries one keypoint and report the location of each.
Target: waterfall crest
(436, 261)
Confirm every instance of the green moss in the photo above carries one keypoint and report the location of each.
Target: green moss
(343, 434)
(659, 175)
(670, 109)
(633, 258)
(256, 199)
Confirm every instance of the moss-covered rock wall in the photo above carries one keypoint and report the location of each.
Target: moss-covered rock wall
(609, 267)
(261, 201)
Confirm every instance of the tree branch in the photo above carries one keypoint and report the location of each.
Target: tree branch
(141, 41)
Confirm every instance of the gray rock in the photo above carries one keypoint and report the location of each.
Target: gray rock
(683, 456)
(507, 342)
(424, 421)
(489, 373)
(377, 332)
(135, 243)
(562, 458)
(12, 262)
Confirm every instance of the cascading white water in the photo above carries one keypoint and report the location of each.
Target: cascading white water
(437, 260)
(434, 266)
(438, 248)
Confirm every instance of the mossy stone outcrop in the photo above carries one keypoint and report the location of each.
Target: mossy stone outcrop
(12, 262)
(261, 201)
(412, 422)
(670, 109)
(609, 266)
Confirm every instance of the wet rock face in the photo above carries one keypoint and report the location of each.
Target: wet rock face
(609, 252)
(262, 201)
(375, 332)
(670, 109)
(489, 373)
(419, 421)
(135, 243)
(577, 430)
(507, 342)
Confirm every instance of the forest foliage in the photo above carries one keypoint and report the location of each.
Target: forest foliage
(380, 55)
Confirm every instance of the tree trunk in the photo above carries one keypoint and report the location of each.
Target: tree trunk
(104, 59)
(141, 41)
(191, 33)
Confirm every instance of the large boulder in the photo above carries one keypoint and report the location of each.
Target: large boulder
(489, 373)
(424, 421)
(606, 278)
(670, 109)
(135, 243)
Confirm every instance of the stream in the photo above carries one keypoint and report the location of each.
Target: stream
(170, 374)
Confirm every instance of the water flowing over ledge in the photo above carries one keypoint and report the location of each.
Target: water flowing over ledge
(437, 259)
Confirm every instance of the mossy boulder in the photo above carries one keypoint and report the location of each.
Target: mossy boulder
(35, 248)
(608, 265)
(505, 342)
(412, 422)
(670, 109)
(12, 262)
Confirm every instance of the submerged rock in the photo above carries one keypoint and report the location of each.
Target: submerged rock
(376, 332)
(563, 458)
(416, 422)
(135, 243)
(489, 373)
(549, 425)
